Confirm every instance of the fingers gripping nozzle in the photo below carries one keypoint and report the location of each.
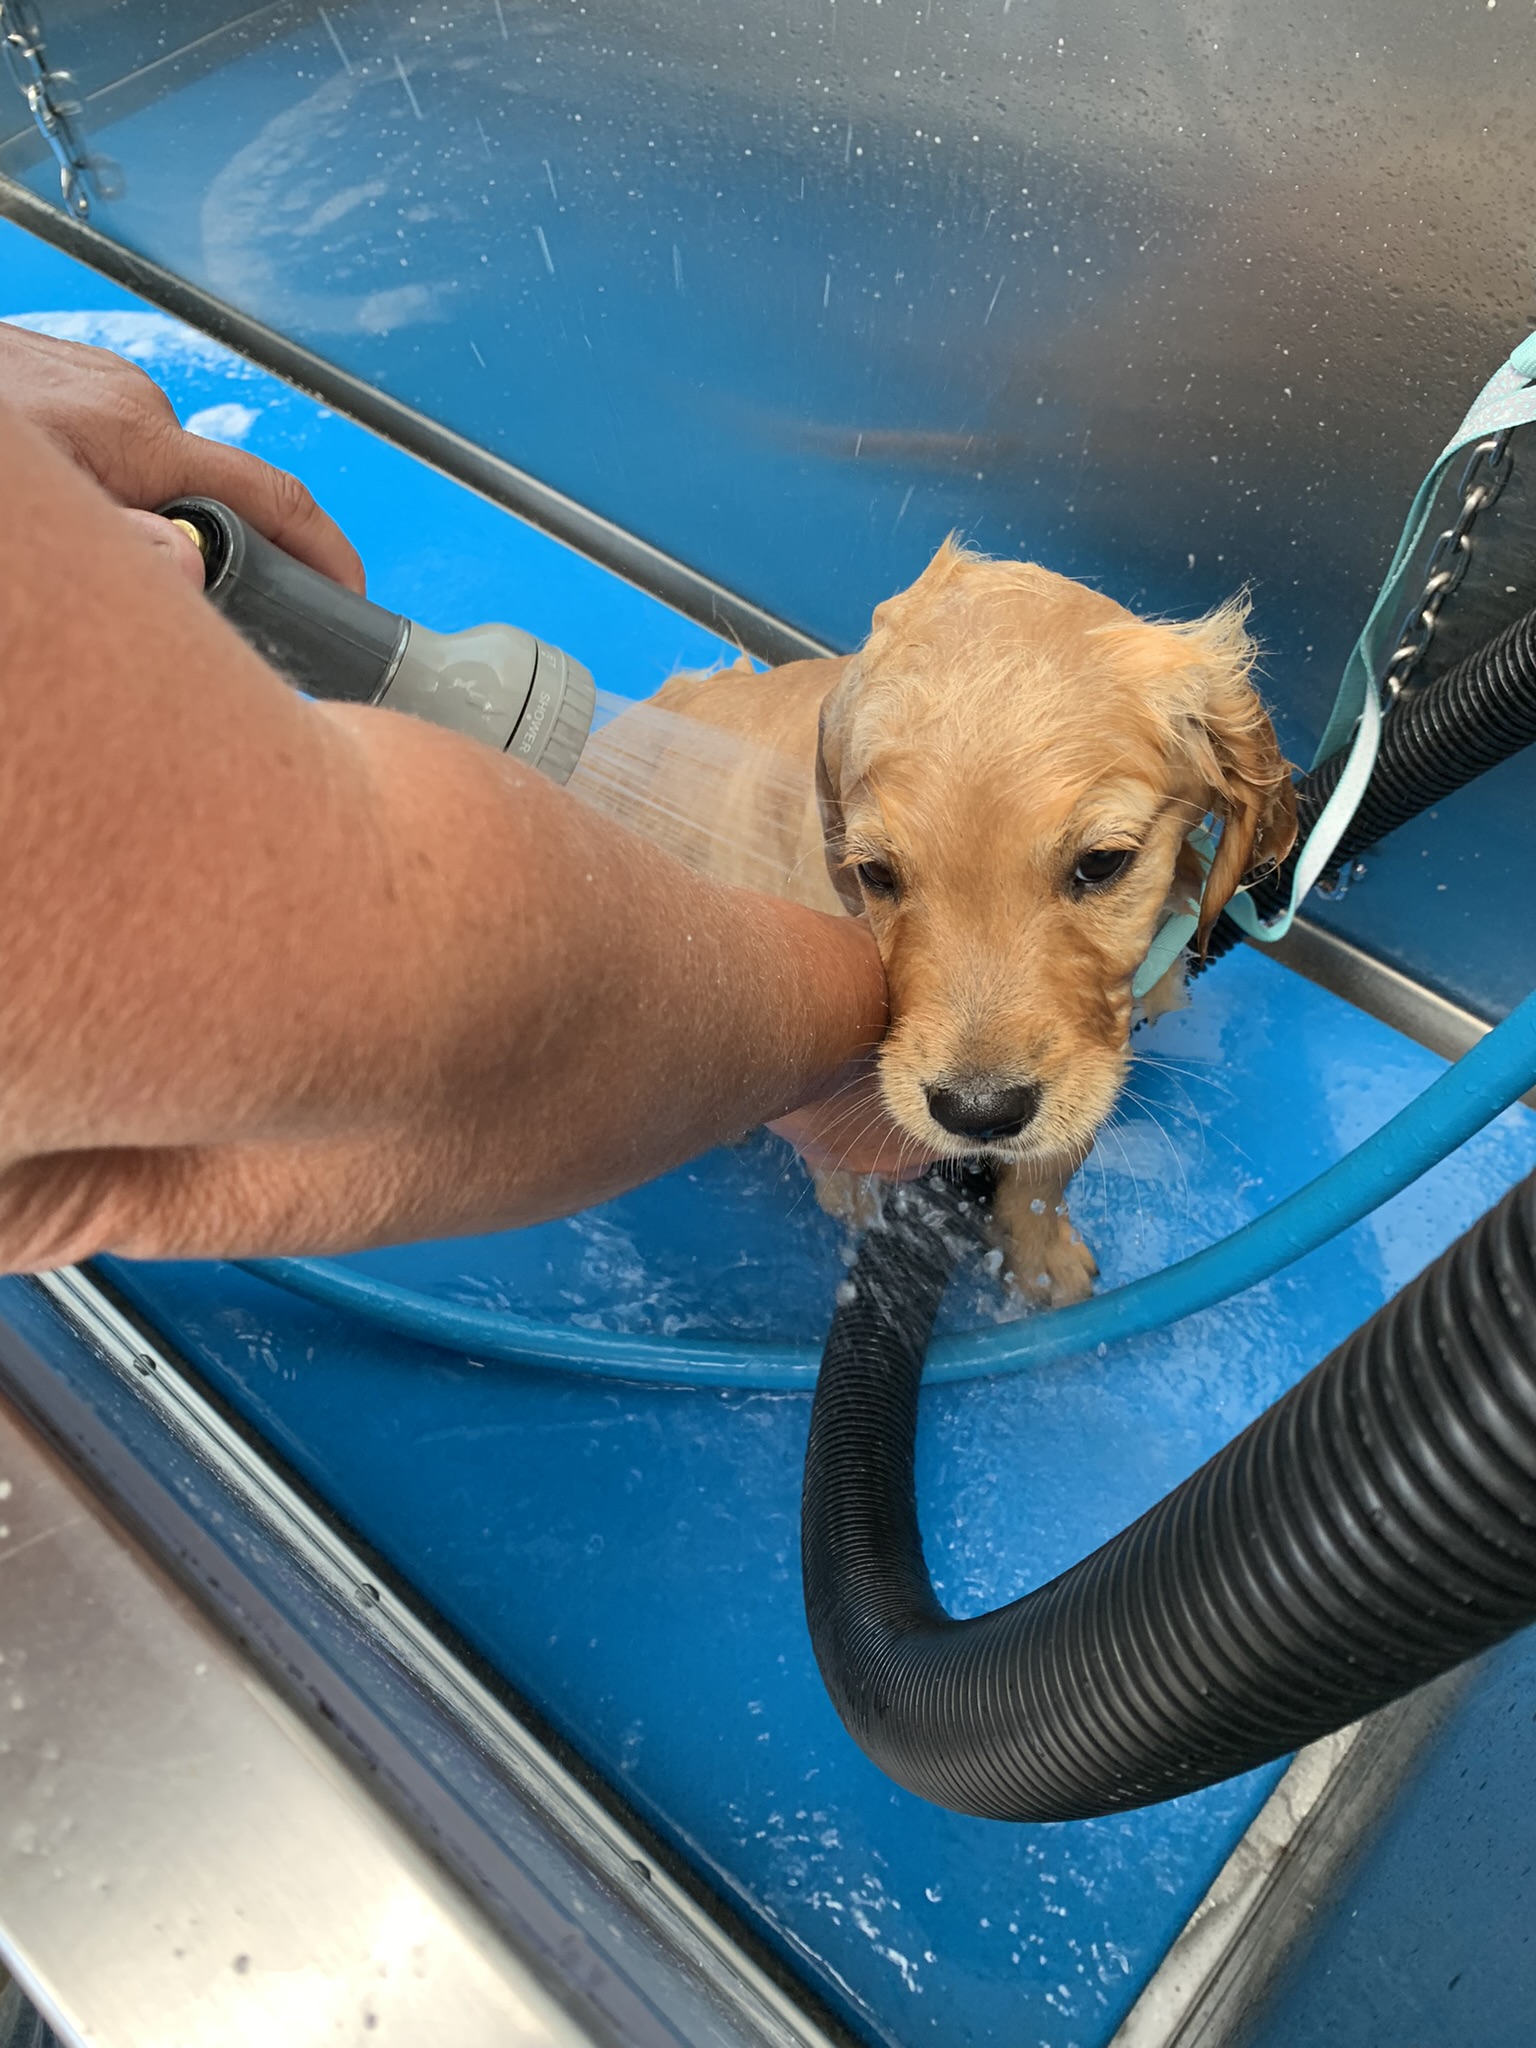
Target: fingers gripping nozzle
(493, 683)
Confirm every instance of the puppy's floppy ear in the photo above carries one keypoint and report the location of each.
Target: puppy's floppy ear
(1249, 778)
(829, 797)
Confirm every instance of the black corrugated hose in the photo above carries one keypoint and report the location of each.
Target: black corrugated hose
(1372, 1529)
(1433, 741)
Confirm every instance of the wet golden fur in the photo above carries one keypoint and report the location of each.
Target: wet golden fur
(999, 723)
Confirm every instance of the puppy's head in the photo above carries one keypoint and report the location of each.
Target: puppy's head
(1008, 770)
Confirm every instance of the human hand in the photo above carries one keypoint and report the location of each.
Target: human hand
(852, 1131)
(116, 424)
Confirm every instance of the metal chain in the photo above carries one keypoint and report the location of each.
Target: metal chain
(80, 173)
(1487, 471)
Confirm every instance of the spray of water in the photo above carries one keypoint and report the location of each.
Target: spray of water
(720, 801)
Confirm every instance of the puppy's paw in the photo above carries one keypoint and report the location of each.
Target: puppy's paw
(852, 1198)
(1042, 1261)
(1064, 1273)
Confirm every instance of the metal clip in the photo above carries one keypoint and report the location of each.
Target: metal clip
(1486, 473)
(82, 176)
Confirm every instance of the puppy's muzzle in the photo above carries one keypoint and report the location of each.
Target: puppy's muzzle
(983, 1111)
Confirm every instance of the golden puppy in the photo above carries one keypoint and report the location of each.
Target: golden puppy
(1001, 780)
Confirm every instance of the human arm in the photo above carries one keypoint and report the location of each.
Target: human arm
(293, 977)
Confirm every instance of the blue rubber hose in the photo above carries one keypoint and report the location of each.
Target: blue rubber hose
(1488, 1079)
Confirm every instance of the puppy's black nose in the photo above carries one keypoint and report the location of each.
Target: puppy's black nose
(984, 1112)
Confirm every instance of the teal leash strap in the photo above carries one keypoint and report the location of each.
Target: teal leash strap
(1169, 941)
(1332, 824)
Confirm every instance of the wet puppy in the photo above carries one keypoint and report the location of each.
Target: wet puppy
(1001, 781)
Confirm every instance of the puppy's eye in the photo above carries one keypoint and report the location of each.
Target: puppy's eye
(1097, 868)
(876, 877)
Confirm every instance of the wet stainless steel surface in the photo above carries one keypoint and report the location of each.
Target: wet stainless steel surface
(1174, 294)
(181, 1862)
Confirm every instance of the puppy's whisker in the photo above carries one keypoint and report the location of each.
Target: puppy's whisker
(1186, 1071)
(1181, 1063)
(1184, 1112)
(845, 1088)
(910, 1148)
(872, 1116)
(1095, 1158)
(1111, 1129)
(1200, 1135)
(1196, 1115)
(1150, 1112)
(1155, 1069)
(1155, 1121)
(869, 1124)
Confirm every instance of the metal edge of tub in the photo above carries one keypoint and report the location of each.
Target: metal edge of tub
(130, 1900)
(572, 1901)
(689, 591)
(1381, 990)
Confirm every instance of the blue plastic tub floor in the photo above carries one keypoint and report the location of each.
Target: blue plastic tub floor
(628, 1558)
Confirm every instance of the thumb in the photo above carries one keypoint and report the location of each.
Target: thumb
(168, 540)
